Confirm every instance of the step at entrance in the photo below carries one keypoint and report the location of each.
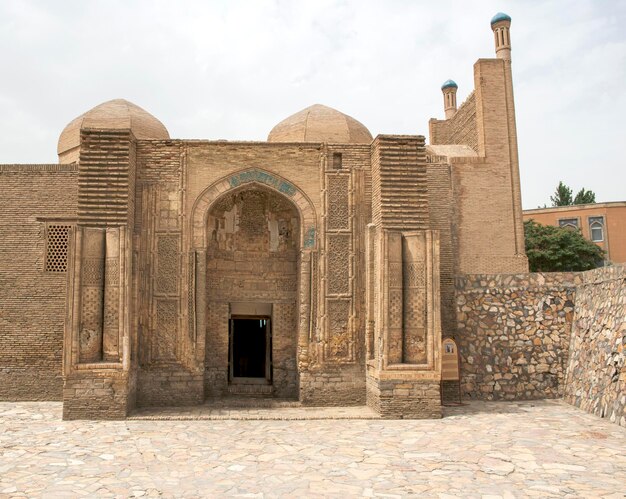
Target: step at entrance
(251, 402)
(252, 409)
(252, 389)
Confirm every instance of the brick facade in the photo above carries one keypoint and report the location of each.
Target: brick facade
(32, 299)
(344, 248)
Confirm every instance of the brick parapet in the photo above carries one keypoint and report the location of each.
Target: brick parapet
(37, 168)
(460, 129)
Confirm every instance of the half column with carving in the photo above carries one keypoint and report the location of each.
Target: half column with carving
(403, 305)
(97, 369)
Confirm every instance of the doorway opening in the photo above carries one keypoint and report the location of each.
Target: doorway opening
(250, 349)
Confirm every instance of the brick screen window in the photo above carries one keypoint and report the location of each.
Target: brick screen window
(57, 241)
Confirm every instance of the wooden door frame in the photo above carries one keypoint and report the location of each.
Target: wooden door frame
(268, 345)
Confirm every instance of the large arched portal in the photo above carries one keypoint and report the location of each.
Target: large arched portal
(254, 235)
(252, 253)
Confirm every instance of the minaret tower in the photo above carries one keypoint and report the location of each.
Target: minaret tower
(449, 89)
(500, 24)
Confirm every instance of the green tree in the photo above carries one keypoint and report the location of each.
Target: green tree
(562, 196)
(585, 197)
(557, 249)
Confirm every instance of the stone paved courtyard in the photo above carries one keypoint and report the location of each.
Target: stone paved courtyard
(530, 449)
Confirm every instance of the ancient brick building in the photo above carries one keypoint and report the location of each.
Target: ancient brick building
(318, 265)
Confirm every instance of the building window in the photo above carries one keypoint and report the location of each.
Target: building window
(569, 223)
(57, 243)
(337, 161)
(596, 229)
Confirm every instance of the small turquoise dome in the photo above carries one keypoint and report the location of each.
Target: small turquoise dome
(449, 84)
(500, 16)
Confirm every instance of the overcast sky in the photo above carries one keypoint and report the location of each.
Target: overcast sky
(233, 69)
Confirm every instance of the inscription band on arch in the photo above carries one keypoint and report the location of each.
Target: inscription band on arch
(263, 178)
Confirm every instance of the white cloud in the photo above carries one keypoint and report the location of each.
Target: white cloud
(233, 69)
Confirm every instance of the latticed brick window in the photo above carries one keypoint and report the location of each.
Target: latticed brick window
(57, 243)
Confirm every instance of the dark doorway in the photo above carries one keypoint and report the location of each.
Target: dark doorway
(250, 347)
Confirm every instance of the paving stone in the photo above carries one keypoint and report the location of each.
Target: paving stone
(479, 450)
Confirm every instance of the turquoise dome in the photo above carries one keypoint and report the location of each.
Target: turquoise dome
(449, 84)
(500, 16)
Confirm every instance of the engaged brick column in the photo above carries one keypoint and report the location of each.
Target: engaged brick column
(404, 361)
(91, 259)
(98, 376)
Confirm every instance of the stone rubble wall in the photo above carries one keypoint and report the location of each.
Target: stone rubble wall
(596, 374)
(514, 333)
(552, 335)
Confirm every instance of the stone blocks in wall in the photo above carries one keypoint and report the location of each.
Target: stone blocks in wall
(513, 334)
(596, 373)
(533, 336)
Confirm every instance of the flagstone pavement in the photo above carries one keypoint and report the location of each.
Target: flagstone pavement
(483, 450)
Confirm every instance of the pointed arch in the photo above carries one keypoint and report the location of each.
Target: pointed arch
(251, 177)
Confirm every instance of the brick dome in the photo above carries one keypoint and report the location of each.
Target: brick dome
(320, 124)
(115, 114)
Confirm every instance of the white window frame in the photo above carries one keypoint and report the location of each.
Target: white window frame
(594, 223)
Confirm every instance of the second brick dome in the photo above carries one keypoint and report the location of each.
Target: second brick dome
(320, 123)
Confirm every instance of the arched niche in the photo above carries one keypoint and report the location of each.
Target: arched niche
(250, 178)
(212, 204)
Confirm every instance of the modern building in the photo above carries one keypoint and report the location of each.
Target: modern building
(602, 223)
